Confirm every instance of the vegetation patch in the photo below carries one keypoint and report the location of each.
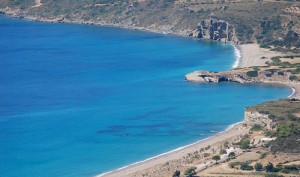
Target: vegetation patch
(252, 73)
(287, 131)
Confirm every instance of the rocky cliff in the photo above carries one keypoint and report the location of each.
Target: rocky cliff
(252, 118)
(215, 30)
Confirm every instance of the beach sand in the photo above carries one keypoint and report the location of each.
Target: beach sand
(151, 165)
(253, 55)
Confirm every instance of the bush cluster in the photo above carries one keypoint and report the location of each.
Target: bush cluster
(270, 168)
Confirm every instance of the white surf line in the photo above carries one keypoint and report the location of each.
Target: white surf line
(237, 54)
(231, 126)
(166, 153)
(294, 90)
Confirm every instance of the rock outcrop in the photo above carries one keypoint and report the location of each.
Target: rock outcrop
(205, 76)
(252, 118)
(212, 29)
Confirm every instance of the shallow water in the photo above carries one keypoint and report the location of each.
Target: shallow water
(81, 100)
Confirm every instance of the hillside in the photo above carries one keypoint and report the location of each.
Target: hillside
(273, 24)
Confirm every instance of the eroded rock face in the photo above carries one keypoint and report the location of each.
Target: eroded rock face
(255, 118)
(215, 30)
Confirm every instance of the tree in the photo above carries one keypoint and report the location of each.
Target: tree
(246, 166)
(176, 173)
(245, 143)
(216, 158)
(252, 73)
(231, 155)
(269, 167)
(258, 167)
(190, 171)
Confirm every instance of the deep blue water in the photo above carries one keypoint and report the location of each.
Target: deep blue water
(81, 100)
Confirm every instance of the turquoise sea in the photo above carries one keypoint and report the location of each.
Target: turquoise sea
(77, 101)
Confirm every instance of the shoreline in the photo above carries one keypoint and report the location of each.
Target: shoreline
(295, 87)
(236, 64)
(13, 14)
(237, 55)
(147, 163)
(181, 151)
(241, 60)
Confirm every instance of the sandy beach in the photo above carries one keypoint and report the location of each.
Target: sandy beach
(253, 55)
(152, 165)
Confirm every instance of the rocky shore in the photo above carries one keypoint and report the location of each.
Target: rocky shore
(207, 29)
(265, 75)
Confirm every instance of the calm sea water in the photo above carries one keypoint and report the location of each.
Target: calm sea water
(82, 100)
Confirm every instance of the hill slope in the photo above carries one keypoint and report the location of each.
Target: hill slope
(271, 23)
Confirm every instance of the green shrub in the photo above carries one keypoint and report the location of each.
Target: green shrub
(256, 127)
(176, 173)
(275, 60)
(258, 167)
(290, 169)
(269, 167)
(264, 46)
(280, 73)
(252, 73)
(246, 166)
(190, 171)
(285, 130)
(296, 71)
(269, 133)
(293, 78)
(271, 116)
(216, 158)
(231, 155)
(287, 171)
(233, 164)
(245, 143)
(264, 155)
(292, 117)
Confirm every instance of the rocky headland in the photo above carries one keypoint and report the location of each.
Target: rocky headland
(283, 73)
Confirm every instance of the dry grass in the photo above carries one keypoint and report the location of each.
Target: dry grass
(291, 61)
